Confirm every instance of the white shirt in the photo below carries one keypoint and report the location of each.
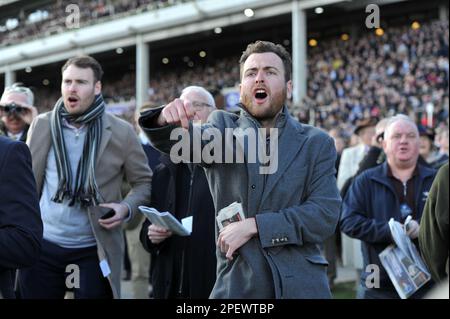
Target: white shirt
(15, 137)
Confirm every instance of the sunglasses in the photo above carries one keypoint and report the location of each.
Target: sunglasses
(13, 108)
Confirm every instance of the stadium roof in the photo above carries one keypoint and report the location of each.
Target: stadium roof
(4, 2)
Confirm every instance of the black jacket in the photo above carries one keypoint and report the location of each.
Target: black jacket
(179, 189)
(20, 220)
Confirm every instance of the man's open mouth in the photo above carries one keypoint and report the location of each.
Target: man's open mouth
(72, 99)
(260, 94)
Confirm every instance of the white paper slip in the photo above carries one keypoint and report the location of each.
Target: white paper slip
(187, 223)
(166, 220)
(104, 266)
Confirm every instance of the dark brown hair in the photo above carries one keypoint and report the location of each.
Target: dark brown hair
(266, 46)
(85, 62)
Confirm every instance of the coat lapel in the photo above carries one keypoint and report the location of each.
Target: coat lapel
(40, 143)
(106, 136)
(254, 178)
(289, 144)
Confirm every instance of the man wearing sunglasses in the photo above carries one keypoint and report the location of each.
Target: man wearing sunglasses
(16, 111)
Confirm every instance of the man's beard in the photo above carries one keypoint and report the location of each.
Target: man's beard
(276, 103)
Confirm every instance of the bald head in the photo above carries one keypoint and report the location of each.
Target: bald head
(390, 123)
(401, 142)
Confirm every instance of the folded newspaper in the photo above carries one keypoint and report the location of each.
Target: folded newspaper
(166, 220)
(403, 263)
(230, 214)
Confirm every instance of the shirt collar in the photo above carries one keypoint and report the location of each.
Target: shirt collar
(143, 138)
(389, 171)
(66, 123)
(16, 137)
(280, 121)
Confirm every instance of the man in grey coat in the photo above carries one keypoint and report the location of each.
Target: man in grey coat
(291, 205)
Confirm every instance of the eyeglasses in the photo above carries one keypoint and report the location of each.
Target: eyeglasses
(13, 108)
(200, 105)
(380, 137)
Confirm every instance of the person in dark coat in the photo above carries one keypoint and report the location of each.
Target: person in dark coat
(20, 219)
(396, 189)
(183, 267)
(374, 156)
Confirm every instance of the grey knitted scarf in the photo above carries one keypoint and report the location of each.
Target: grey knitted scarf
(85, 190)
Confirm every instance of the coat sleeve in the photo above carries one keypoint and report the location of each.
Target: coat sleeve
(159, 136)
(355, 219)
(187, 145)
(159, 183)
(433, 236)
(143, 236)
(315, 219)
(20, 219)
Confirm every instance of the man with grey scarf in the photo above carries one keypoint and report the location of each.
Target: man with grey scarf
(81, 154)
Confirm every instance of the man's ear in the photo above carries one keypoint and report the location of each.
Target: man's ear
(384, 144)
(240, 90)
(98, 87)
(289, 89)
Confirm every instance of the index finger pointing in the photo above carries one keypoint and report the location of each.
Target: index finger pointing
(190, 112)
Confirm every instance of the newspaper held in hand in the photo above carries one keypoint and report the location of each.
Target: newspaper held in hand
(166, 220)
(230, 214)
(403, 263)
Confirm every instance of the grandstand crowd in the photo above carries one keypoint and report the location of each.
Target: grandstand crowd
(401, 71)
(52, 18)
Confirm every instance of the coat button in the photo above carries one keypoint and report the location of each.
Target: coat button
(253, 186)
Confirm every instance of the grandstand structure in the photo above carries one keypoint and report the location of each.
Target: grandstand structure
(138, 42)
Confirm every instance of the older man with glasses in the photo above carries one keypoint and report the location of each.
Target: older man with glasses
(16, 111)
(183, 267)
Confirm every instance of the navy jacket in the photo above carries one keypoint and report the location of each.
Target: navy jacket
(369, 204)
(20, 219)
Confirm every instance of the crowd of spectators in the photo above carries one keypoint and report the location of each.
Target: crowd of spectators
(378, 76)
(369, 76)
(167, 85)
(401, 71)
(51, 19)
